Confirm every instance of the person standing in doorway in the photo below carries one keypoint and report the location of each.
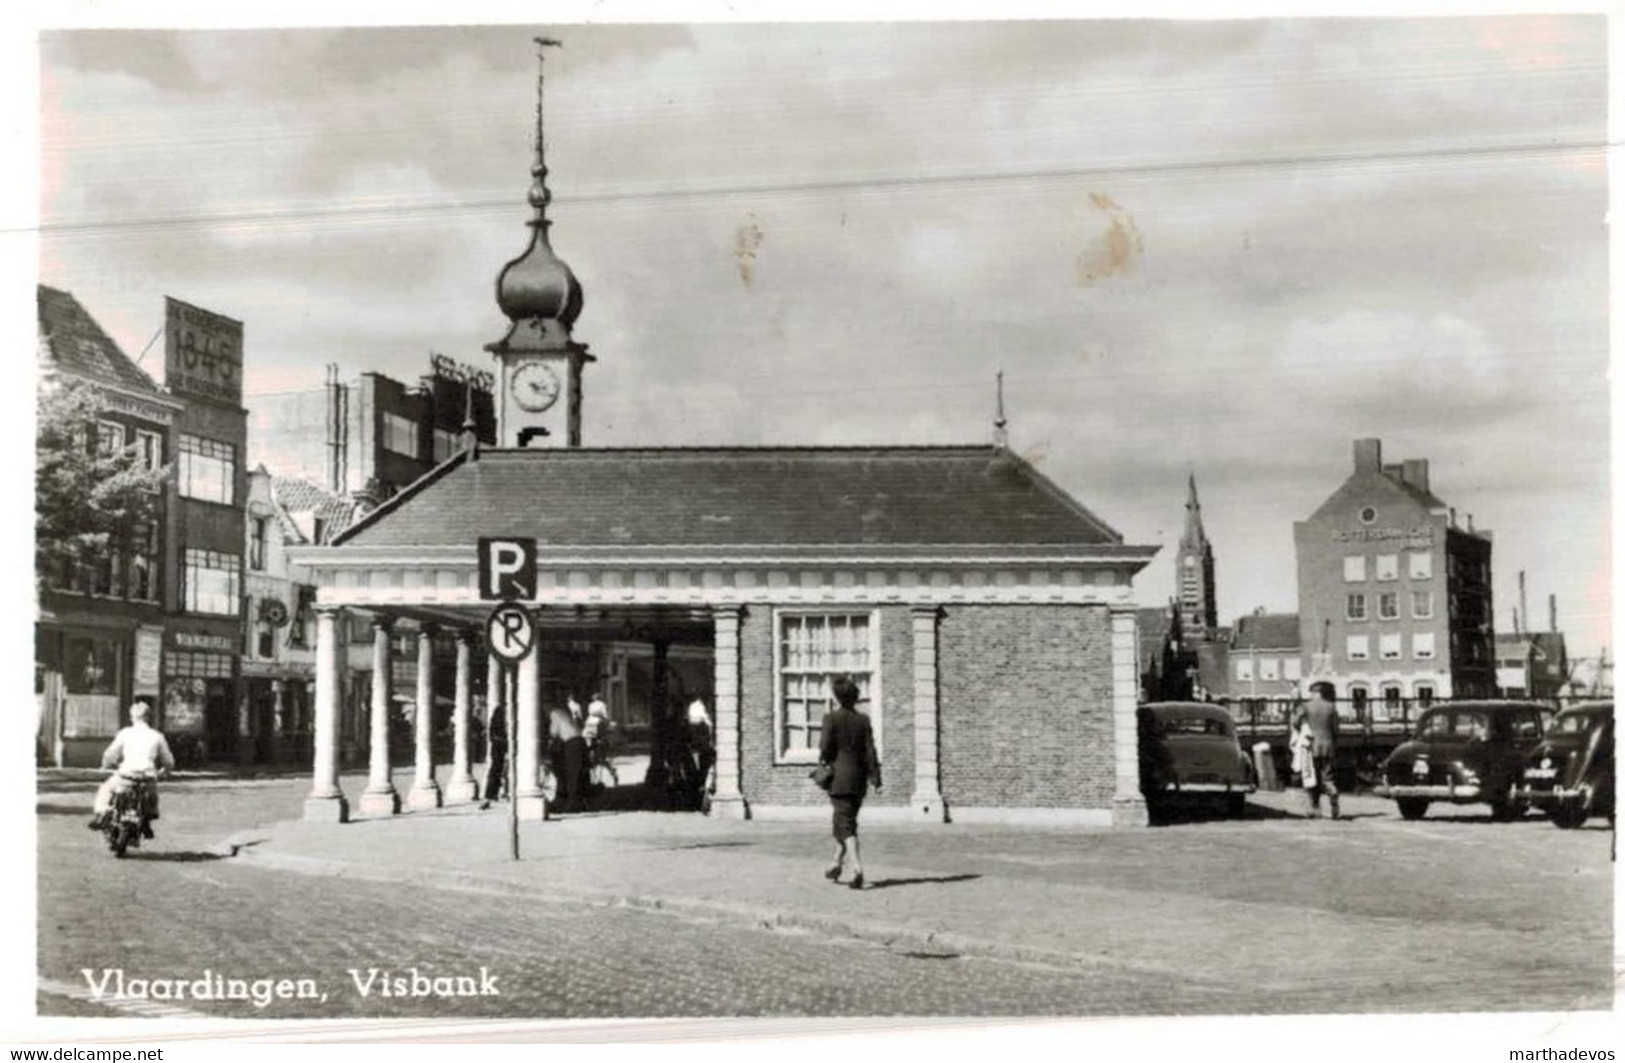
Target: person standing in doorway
(1318, 720)
(570, 757)
(848, 746)
(496, 760)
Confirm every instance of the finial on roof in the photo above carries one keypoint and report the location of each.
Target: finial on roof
(538, 286)
(1001, 438)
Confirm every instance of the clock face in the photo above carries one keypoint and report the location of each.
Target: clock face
(535, 386)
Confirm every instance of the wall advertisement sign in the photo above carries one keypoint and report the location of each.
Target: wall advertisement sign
(203, 352)
(149, 645)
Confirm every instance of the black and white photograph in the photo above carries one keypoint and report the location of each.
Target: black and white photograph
(789, 525)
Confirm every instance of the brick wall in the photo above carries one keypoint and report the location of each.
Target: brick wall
(1026, 714)
(766, 783)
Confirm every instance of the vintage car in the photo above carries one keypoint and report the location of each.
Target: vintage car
(1189, 753)
(1465, 752)
(1570, 774)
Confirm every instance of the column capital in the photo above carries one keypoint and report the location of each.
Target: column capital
(383, 622)
(932, 611)
(428, 630)
(465, 636)
(727, 612)
(327, 609)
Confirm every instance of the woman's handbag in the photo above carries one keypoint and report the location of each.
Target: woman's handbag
(823, 776)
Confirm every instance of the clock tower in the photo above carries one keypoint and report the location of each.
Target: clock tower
(539, 363)
(1198, 606)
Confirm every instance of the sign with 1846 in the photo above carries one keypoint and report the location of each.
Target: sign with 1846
(203, 352)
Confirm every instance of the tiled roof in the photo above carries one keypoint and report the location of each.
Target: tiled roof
(294, 496)
(737, 496)
(73, 340)
(1266, 631)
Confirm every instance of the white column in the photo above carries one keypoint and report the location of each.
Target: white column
(926, 797)
(526, 744)
(380, 798)
(460, 787)
(425, 791)
(1128, 804)
(326, 803)
(729, 800)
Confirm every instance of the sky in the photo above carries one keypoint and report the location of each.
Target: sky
(1222, 248)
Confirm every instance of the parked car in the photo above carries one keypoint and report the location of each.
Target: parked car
(1189, 753)
(1570, 774)
(1465, 752)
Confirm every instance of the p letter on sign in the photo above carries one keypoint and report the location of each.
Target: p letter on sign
(507, 569)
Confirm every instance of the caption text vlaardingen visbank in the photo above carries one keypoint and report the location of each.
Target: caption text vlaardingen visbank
(113, 984)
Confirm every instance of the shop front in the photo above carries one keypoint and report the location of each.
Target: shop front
(200, 713)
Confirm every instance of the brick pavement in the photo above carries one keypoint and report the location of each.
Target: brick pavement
(1269, 914)
(1369, 914)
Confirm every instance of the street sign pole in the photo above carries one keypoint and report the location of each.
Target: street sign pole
(510, 682)
(511, 635)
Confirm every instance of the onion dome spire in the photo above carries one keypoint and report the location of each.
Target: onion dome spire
(537, 291)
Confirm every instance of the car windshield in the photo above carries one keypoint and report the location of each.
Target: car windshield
(1454, 724)
(1194, 725)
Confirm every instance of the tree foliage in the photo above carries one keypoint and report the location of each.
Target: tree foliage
(89, 503)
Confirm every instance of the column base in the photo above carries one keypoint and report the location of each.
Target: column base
(1130, 812)
(461, 791)
(733, 806)
(532, 806)
(423, 798)
(928, 806)
(380, 802)
(327, 809)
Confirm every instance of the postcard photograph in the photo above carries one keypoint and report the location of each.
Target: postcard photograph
(1049, 518)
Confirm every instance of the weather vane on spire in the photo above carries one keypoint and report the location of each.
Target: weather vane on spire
(1001, 438)
(540, 197)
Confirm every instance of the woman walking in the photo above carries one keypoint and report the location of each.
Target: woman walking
(848, 746)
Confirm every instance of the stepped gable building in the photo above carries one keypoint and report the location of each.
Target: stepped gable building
(986, 615)
(1394, 595)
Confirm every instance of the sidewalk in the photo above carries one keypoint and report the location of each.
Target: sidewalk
(1214, 906)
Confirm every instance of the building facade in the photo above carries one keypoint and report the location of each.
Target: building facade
(986, 616)
(1394, 595)
(99, 636)
(372, 435)
(204, 713)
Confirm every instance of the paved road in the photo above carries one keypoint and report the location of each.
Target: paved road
(554, 958)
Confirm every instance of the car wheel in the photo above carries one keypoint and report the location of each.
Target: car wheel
(1568, 817)
(1413, 807)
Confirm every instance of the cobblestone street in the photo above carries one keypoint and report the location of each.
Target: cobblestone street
(1196, 918)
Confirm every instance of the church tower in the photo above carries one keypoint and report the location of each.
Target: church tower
(1198, 607)
(540, 364)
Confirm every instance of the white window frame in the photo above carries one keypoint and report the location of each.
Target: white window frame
(1358, 648)
(1421, 564)
(195, 450)
(1422, 647)
(398, 433)
(110, 436)
(1391, 647)
(1422, 596)
(874, 708)
(1269, 668)
(1388, 605)
(1292, 669)
(1354, 568)
(1387, 567)
(194, 560)
(1244, 669)
(1349, 610)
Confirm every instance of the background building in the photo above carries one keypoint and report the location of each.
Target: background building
(203, 710)
(100, 631)
(373, 435)
(1394, 596)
